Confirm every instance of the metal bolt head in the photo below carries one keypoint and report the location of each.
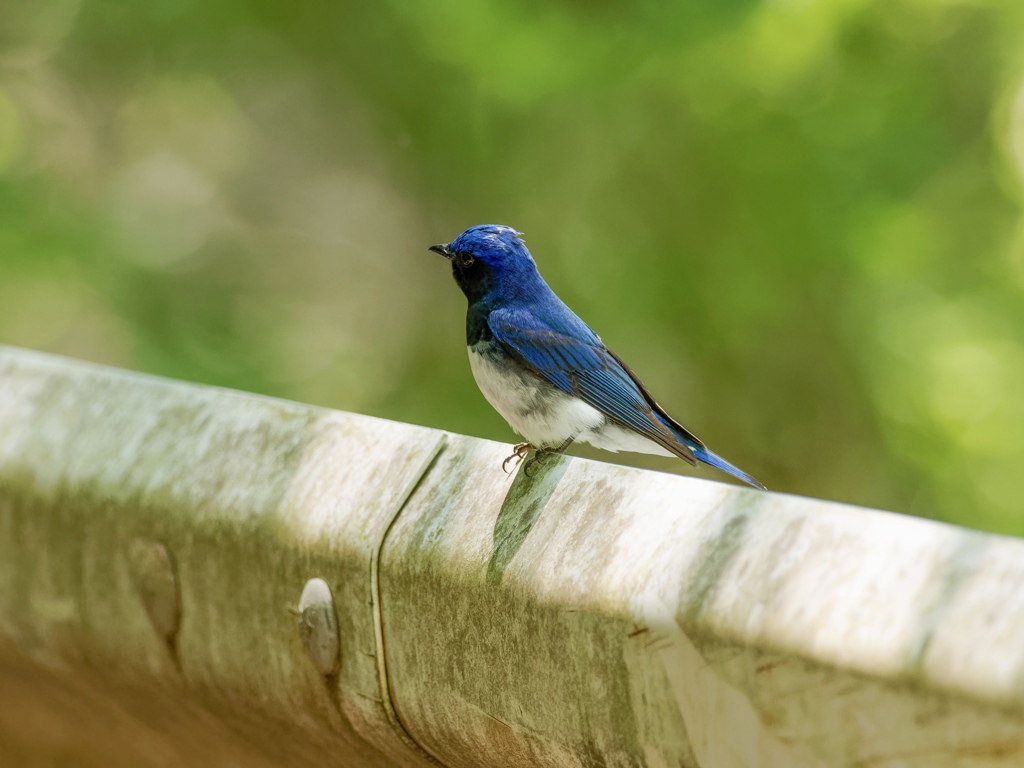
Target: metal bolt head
(318, 626)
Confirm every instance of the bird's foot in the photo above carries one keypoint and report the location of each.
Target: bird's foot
(535, 461)
(542, 455)
(518, 453)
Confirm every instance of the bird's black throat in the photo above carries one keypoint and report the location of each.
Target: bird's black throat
(477, 282)
(477, 329)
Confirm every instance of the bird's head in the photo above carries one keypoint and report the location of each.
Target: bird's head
(488, 257)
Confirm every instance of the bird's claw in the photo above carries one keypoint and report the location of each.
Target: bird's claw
(536, 461)
(518, 453)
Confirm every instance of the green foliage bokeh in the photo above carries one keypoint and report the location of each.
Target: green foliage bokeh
(800, 221)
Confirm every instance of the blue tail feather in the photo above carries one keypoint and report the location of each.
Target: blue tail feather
(711, 459)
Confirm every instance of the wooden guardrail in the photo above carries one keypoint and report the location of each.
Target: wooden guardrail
(162, 547)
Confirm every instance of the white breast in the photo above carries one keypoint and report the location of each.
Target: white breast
(535, 409)
(545, 415)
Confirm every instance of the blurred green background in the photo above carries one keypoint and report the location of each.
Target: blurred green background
(799, 220)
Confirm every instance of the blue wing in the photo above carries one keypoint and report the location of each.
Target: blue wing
(579, 364)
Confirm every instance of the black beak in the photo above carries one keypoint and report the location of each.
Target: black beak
(442, 250)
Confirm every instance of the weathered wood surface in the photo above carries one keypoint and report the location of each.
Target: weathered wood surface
(155, 538)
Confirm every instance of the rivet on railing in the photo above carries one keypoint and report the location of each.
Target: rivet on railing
(153, 572)
(318, 626)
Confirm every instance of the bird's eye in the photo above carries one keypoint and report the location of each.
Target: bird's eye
(467, 260)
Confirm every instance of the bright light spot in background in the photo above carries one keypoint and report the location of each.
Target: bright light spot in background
(180, 140)
(967, 383)
(784, 40)
(350, 239)
(164, 209)
(945, 374)
(195, 119)
(32, 30)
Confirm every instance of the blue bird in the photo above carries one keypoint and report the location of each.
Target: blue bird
(545, 371)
